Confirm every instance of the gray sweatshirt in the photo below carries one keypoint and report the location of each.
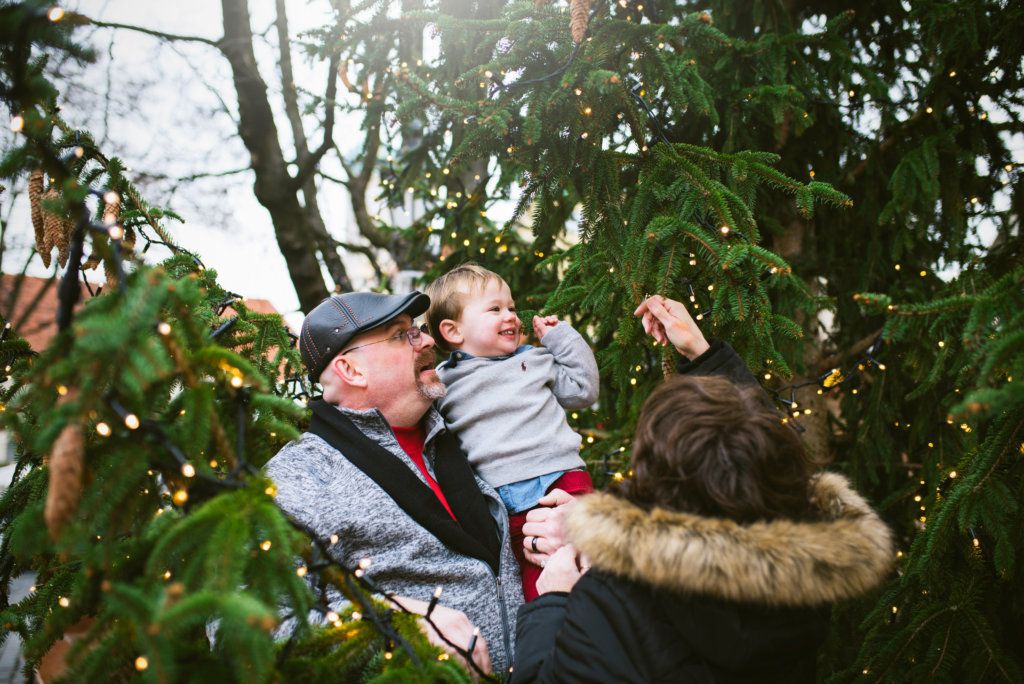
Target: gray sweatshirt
(509, 412)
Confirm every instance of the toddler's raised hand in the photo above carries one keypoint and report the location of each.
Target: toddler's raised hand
(541, 325)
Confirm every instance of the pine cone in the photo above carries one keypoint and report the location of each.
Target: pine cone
(51, 227)
(63, 242)
(111, 273)
(579, 11)
(668, 363)
(35, 197)
(112, 211)
(92, 262)
(67, 461)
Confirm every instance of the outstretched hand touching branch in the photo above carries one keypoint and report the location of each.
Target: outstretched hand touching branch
(667, 320)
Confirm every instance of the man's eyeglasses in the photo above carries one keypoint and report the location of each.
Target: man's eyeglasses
(414, 335)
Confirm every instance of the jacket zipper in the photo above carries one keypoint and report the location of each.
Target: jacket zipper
(504, 617)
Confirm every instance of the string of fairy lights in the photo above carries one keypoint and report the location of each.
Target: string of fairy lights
(295, 387)
(356, 586)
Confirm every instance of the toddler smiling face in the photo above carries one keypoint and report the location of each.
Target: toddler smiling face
(488, 325)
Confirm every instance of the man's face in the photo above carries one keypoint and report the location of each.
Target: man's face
(397, 372)
(489, 324)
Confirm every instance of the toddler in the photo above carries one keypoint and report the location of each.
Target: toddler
(505, 401)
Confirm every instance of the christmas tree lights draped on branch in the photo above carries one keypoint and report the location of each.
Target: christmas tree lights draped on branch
(155, 413)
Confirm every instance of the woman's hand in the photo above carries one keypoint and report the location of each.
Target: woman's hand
(561, 572)
(667, 320)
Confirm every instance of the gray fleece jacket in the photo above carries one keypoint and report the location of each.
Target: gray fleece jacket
(318, 486)
(509, 412)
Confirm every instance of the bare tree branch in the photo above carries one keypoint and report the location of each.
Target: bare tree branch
(289, 91)
(156, 34)
(206, 84)
(856, 349)
(306, 167)
(193, 176)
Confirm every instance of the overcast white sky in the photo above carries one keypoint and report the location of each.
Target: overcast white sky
(163, 119)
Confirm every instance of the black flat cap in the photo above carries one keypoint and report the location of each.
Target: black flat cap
(336, 320)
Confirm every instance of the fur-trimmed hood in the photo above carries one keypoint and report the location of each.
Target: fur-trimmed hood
(848, 552)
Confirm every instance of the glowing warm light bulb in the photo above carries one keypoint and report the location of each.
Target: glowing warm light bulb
(17, 123)
(103, 429)
(265, 545)
(131, 421)
(188, 470)
(141, 663)
(180, 497)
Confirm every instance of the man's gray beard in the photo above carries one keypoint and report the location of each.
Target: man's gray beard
(432, 391)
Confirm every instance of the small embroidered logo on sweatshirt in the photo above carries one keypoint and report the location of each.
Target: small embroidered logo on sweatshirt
(522, 364)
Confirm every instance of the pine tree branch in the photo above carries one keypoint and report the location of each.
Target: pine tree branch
(978, 630)
(1010, 445)
(912, 637)
(942, 651)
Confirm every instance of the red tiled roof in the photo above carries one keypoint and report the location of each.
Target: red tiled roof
(29, 304)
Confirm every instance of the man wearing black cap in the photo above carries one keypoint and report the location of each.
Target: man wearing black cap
(378, 472)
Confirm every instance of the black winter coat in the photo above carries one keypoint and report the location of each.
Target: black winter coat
(676, 597)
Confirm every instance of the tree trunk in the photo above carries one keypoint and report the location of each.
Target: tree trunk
(274, 187)
(791, 245)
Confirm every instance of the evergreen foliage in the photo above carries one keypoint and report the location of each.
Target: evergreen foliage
(147, 420)
(624, 156)
(849, 149)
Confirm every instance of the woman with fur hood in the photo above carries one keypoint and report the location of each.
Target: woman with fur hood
(719, 559)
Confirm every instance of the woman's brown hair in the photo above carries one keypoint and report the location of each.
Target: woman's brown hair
(704, 445)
